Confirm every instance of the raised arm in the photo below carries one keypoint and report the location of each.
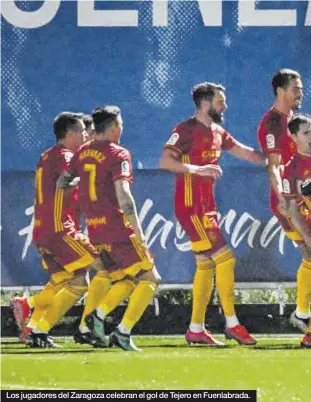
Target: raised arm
(246, 153)
(170, 160)
(127, 204)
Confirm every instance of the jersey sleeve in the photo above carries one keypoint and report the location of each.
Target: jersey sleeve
(121, 167)
(228, 141)
(62, 161)
(180, 139)
(271, 133)
(289, 181)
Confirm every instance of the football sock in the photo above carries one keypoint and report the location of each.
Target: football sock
(98, 289)
(61, 303)
(139, 300)
(118, 292)
(303, 289)
(225, 263)
(202, 289)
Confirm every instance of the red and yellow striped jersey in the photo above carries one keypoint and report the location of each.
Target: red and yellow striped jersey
(296, 171)
(55, 209)
(199, 145)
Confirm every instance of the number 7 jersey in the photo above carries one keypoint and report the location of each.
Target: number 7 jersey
(99, 164)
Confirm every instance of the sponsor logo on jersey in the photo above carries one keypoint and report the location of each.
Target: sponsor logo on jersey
(270, 141)
(125, 168)
(286, 186)
(173, 139)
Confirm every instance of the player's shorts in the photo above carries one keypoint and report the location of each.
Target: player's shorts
(203, 230)
(284, 221)
(124, 258)
(65, 252)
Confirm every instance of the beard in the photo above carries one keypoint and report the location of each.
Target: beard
(217, 117)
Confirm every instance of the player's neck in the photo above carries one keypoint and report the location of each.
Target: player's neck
(103, 138)
(203, 118)
(304, 153)
(283, 108)
(66, 144)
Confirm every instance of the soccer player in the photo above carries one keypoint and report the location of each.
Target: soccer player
(89, 126)
(275, 139)
(105, 171)
(192, 153)
(66, 252)
(278, 145)
(298, 171)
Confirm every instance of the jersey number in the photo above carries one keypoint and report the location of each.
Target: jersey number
(39, 185)
(91, 168)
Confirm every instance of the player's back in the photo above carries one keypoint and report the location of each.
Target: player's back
(274, 135)
(99, 164)
(51, 205)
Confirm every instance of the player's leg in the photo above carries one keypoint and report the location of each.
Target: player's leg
(194, 226)
(76, 256)
(38, 302)
(300, 317)
(147, 282)
(137, 267)
(224, 262)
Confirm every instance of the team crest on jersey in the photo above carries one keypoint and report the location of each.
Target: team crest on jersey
(125, 168)
(286, 186)
(270, 141)
(173, 139)
(68, 156)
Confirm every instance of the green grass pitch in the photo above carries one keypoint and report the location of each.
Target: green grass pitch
(277, 367)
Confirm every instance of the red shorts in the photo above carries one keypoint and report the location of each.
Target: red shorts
(284, 221)
(126, 257)
(65, 252)
(203, 230)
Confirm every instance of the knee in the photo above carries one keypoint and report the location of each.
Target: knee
(78, 284)
(149, 276)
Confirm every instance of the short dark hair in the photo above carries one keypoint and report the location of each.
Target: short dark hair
(64, 122)
(87, 120)
(297, 120)
(282, 78)
(104, 116)
(205, 91)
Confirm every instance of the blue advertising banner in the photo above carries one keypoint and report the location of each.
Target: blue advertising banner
(263, 252)
(146, 56)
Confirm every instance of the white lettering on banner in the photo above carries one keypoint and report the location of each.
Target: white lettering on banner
(308, 15)
(249, 16)
(158, 227)
(236, 237)
(29, 19)
(27, 231)
(211, 12)
(89, 17)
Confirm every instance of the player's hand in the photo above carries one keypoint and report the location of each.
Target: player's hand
(214, 171)
(282, 206)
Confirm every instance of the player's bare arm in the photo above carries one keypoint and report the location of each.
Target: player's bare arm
(170, 160)
(127, 204)
(249, 154)
(274, 173)
(298, 221)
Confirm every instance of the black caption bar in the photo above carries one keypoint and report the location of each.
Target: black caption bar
(247, 396)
